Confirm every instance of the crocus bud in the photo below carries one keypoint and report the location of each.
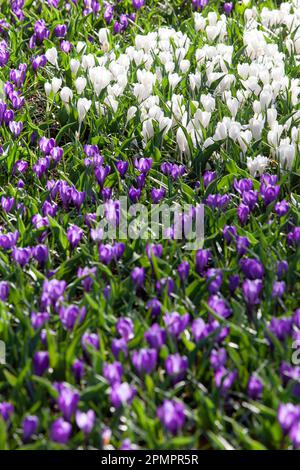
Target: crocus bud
(29, 425)
(60, 431)
(172, 415)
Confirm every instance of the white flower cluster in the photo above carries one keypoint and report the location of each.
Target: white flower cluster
(195, 88)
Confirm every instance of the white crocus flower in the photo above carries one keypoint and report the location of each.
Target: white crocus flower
(147, 130)
(182, 142)
(103, 38)
(174, 79)
(74, 66)
(66, 94)
(131, 113)
(257, 165)
(80, 84)
(80, 46)
(83, 106)
(48, 88)
(51, 55)
(286, 154)
(56, 84)
(88, 61)
(165, 124)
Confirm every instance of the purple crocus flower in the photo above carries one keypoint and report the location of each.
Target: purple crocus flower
(296, 317)
(243, 212)
(143, 165)
(85, 421)
(242, 245)
(242, 185)
(4, 53)
(21, 256)
(40, 31)
(250, 198)
(138, 4)
(67, 401)
(224, 379)
(252, 290)
(87, 274)
(71, 315)
(46, 145)
(6, 410)
(282, 267)
(8, 240)
(157, 195)
(214, 280)
(65, 46)
(255, 387)
(89, 340)
(7, 203)
(60, 30)
(74, 235)
(199, 329)
(154, 306)
(122, 167)
(227, 7)
(155, 336)
(106, 253)
(234, 281)
(108, 13)
(101, 173)
(53, 292)
(20, 166)
(165, 284)
(202, 259)
(125, 328)
(4, 290)
(293, 237)
(121, 394)
(176, 366)
(281, 208)
(199, 4)
(218, 358)
(278, 289)
(118, 346)
(176, 323)
(219, 306)
(281, 327)
(154, 250)
(172, 415)
(16, 127)
(40, 254)
(134, 194)
(40, 362)
(208, 177)
(144, 360)
(29, 425)
(269, 192)
(229, 233)
(39, 61)
(289, 419)
(60, 431)
(138, 276)
(252, 268)
(39, 319)
(183, 270)
(78, 369)
(113, 372)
